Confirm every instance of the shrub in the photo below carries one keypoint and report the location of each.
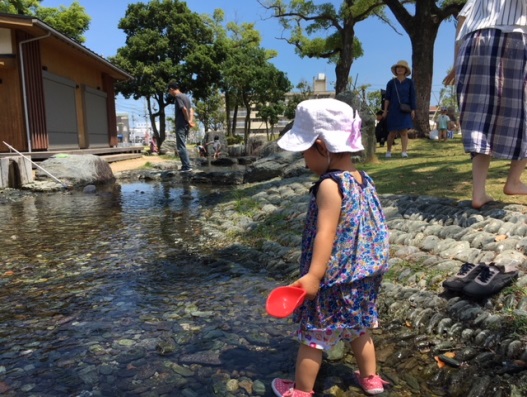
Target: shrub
(234, 139)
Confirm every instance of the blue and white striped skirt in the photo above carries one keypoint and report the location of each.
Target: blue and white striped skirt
(491, 75)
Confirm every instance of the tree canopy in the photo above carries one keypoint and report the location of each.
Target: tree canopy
(165, 41)
(72, 21)
(322, 31)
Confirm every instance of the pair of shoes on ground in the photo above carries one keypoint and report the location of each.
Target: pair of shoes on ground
(479, 281)
(371, 385)
(403, 154)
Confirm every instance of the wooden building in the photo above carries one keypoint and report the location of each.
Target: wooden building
(55, 94)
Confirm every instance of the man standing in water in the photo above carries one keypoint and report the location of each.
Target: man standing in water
(184, 121)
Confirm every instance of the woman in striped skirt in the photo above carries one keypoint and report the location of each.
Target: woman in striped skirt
(491, 75)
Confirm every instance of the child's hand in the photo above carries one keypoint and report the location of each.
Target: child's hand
(308, 283)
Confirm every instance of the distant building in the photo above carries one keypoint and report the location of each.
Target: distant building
(123, 128)
(319, 89)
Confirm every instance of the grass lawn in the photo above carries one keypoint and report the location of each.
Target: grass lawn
(440, 169)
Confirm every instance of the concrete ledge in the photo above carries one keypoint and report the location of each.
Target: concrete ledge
(119, 157)
(15, 172)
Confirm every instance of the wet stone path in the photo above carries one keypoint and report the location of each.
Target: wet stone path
(118, 295)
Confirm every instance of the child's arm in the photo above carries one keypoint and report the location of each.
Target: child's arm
(329, 204)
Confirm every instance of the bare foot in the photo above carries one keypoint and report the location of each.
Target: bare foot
(477, 203)
(515, 188)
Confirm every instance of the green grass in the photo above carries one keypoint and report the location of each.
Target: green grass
(440, 169)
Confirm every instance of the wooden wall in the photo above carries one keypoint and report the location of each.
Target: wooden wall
(35, 95)
(58, 59)
(12, 129)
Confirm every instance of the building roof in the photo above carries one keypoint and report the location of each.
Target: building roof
(35, 27)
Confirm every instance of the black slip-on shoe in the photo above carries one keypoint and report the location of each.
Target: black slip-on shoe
(466, 274)
(489, 281)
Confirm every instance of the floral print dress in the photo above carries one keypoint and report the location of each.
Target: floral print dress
(347, 299)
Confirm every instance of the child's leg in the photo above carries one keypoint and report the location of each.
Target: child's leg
(364, 352)
(308, 364)
(514, 185)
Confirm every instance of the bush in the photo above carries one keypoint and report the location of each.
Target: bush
(233, 140)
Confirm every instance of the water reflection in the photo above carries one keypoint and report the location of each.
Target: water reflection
(92, 283)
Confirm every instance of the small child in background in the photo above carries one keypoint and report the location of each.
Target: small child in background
(216, 147)
(381, 130)
(442, 125)
(344, 247)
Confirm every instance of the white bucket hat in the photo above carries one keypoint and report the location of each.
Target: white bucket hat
(331, 120)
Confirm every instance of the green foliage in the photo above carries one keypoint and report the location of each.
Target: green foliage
(375, 100)
(245, 205)
(21, 7)
(515, 321)
(160, 37)
(165, 41)
(211, 112)
(304, 92)
(71, 21)
(234, 139)
(322, 31)
(248, 76)
(270, 114)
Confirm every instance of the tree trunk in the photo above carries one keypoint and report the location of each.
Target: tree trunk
(247, 125)
(369, 147)
(422, 30)
(156, 134)
(228, 114)
(234, 120)
(423, 69)
(343, 66)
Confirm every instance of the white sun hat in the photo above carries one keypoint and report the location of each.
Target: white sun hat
(331, 120)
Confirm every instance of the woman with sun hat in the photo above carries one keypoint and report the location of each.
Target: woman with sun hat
(400, 90)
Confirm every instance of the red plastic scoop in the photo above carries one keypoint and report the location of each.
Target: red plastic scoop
(283, 301)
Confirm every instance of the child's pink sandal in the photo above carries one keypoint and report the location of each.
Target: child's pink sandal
(371, 385)
(286, 388)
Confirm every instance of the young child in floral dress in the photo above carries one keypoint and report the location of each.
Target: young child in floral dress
(344, 247)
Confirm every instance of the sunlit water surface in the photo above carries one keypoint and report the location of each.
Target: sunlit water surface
(102, 294)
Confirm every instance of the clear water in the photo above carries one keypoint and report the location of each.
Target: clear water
(104, 294)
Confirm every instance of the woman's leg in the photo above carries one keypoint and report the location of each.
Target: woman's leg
(404, 140)
(308, 364)
(514, 185)
(364, 352)
(480, 170)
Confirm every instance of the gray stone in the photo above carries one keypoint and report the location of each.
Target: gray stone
(76, 170)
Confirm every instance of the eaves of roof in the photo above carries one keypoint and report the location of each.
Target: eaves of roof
(36, 27)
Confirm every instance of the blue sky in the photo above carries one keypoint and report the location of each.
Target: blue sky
(382, 45)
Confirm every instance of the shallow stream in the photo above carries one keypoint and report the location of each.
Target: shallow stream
(121, 294)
